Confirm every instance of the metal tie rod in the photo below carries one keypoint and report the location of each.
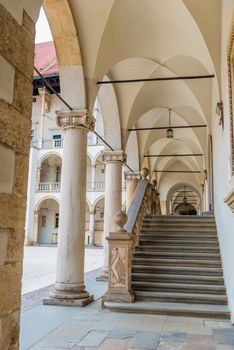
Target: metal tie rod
(172, 127)
(178, 171)
(142, 80)
(173, 155)
(70, 108)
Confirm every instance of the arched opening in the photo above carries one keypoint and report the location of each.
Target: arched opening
(183, 200)
(99, 222)
(46, 221)
(89, 173)
(49, 177)
(185, 209)
(99, 174)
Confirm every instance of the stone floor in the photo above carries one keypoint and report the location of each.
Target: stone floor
(40, 265)
(92, 328)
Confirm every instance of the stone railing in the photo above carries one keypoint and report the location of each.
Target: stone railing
(95, 186)
(140, 206)
(145, 201)
(48, 187)
(56, 143)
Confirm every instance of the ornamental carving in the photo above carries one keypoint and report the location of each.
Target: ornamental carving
(229, 200)
(75, 119)
(118, 267)
(114, 156)
(129, 176)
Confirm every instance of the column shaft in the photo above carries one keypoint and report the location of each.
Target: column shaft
(91, 227)
(69, 285)
(113, 199)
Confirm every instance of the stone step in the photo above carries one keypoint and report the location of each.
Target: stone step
(175, 254)
(178, 287)
(178, 236)
(171, 224)
(176, 262)
(178, 270)
(170, 218)
(176, 309)
(179, 227)
(176, 247)
(181, 297)
(165, 278)
(187, 241)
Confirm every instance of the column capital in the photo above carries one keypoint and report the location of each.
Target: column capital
(75, 119)
(129, 176)
(114, 156)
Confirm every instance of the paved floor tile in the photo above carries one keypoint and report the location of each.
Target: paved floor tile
(199, 330)
(224, 336)
(218, 324)
(115, 344)
(175, 326)
(224, 347)
(172, 346)
(145, 340)
(152, 324)
(180, 337)
(93, 338)
(201, 342)
(121, 334)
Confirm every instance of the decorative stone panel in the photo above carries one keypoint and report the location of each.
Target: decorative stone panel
(120, 260)
(229, 200)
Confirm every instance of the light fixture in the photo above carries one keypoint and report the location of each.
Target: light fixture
(185, 201)
(170, 133)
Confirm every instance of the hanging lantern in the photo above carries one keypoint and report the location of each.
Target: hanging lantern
(170, 132)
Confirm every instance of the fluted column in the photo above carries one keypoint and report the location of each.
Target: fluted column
(132, 180)
(69, 285)
(113, 199)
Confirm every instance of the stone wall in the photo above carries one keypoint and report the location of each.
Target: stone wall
(16, 68)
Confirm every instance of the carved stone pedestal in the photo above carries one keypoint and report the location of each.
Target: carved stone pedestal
(120, 259)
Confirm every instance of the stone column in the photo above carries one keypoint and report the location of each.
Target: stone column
(113, 199)
(91, 227)
(69, 285)
(93, 177)
(132, 180)
(45, 108)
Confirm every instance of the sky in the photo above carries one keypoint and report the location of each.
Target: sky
(43, 32)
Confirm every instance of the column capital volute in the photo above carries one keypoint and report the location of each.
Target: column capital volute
(75, 119)
(130, 176)
(114, 156)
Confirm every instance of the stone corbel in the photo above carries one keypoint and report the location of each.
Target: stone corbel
(229, 200)
(75, 119)
(120, 260)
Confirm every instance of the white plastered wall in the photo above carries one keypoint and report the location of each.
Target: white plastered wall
(222, 176)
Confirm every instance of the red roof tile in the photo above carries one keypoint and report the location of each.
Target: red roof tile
(45, 59)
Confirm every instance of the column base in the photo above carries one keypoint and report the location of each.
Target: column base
(118, 297)
(103, 277)
(207, 213)
(68, 299)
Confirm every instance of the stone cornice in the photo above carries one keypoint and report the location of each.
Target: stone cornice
(114, 156)
(75, 119)
(229, 200)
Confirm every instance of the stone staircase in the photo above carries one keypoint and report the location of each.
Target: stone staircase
(177, 269)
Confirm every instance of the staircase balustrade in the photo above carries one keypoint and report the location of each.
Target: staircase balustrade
(145, 201)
